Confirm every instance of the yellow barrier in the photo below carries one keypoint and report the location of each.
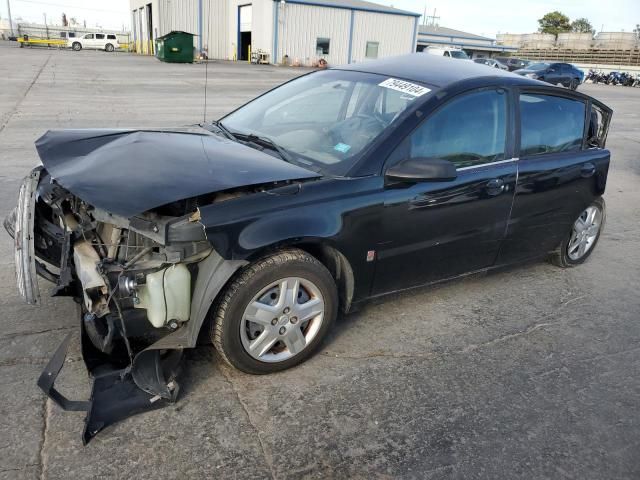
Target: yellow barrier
(42, 41)
(143, 47)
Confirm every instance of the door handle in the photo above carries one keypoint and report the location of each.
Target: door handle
(587, 170)
(495, 186)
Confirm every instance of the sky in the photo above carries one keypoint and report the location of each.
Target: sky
(482, 17)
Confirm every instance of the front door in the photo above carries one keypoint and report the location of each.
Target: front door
(554, 74)
(89, 41)
(436, 230)
(559, 174)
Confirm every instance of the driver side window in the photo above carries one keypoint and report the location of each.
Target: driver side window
(469, 130)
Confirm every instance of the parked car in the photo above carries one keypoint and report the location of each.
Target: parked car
(96, 41)
(563, 74)
(447, 52)
(513, 63)
(336, 187)
(491, 62)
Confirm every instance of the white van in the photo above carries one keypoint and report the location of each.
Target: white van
(97, 41)
(447, 52)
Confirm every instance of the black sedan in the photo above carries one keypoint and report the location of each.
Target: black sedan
(257, 229)
(563, 74)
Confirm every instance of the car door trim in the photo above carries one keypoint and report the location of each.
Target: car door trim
(490, 164)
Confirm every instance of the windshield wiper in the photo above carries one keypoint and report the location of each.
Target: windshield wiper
(265, 142)
(224, 130)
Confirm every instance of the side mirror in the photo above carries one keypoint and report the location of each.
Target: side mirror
(420, 169)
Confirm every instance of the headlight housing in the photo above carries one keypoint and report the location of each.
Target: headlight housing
(531, 75)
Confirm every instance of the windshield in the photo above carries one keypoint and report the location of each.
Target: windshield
(537, 66)
(325, 120)
(459, 54)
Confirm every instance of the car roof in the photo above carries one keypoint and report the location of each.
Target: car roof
(434, 70)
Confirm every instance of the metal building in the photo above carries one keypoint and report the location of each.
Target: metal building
(292, 31)
(475, 45)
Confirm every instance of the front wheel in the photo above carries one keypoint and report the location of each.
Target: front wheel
(573, 85)
(275, 313)
(582, 239)
(77, 46)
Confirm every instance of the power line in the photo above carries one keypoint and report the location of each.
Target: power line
(66, 5)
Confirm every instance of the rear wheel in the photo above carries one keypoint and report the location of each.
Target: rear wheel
(108, 47)
(275, 314)
(77, 46)
(582, 239)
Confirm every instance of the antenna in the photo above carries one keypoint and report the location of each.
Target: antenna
(205, 57)
(206, 78)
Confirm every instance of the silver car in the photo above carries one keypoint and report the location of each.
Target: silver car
(490, 62)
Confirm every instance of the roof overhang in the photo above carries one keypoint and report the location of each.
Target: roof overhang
(468, 45)
(320, 3)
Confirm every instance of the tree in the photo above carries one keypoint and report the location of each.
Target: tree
(582, 25)
(554, 23)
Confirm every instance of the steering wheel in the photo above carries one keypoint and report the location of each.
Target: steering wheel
(335, 133)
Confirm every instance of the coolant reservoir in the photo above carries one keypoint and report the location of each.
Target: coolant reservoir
(166, 295)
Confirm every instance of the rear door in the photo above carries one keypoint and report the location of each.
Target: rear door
(562, 169)
(435, 230)
(100, 41)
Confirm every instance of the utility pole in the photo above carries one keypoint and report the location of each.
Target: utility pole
(10, 21)
(433, 18)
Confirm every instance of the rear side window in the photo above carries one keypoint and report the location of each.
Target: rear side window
(469, 130)
(111, 37)
(99, 36)
(550, 124)
(598, 127)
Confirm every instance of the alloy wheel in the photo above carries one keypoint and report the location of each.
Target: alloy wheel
(585, 232)
(282, 319)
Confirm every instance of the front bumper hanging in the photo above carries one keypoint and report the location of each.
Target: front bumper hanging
(115, 395)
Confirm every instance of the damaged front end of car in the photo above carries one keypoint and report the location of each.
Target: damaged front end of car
(132, 251)
(134, 279)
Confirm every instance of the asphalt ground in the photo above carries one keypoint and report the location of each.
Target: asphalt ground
(528, 373)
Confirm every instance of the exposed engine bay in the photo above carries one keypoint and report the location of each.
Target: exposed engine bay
(136, 280)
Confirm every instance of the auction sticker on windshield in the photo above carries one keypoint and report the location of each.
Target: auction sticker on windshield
(404, 87)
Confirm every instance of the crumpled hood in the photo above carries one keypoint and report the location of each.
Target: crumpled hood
(127, 172)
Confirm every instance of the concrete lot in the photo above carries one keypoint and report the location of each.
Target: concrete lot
(530, 373)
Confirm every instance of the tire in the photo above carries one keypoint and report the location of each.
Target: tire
(573, 85)
(76, 46)
(108, 48)
(232, 332)
(562, 256)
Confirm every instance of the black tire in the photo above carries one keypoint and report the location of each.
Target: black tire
(229, 309)
(108, 48)
(76, 46)
(573, 85)
(560, 256)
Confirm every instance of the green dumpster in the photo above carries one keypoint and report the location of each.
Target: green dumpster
(175, 47)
